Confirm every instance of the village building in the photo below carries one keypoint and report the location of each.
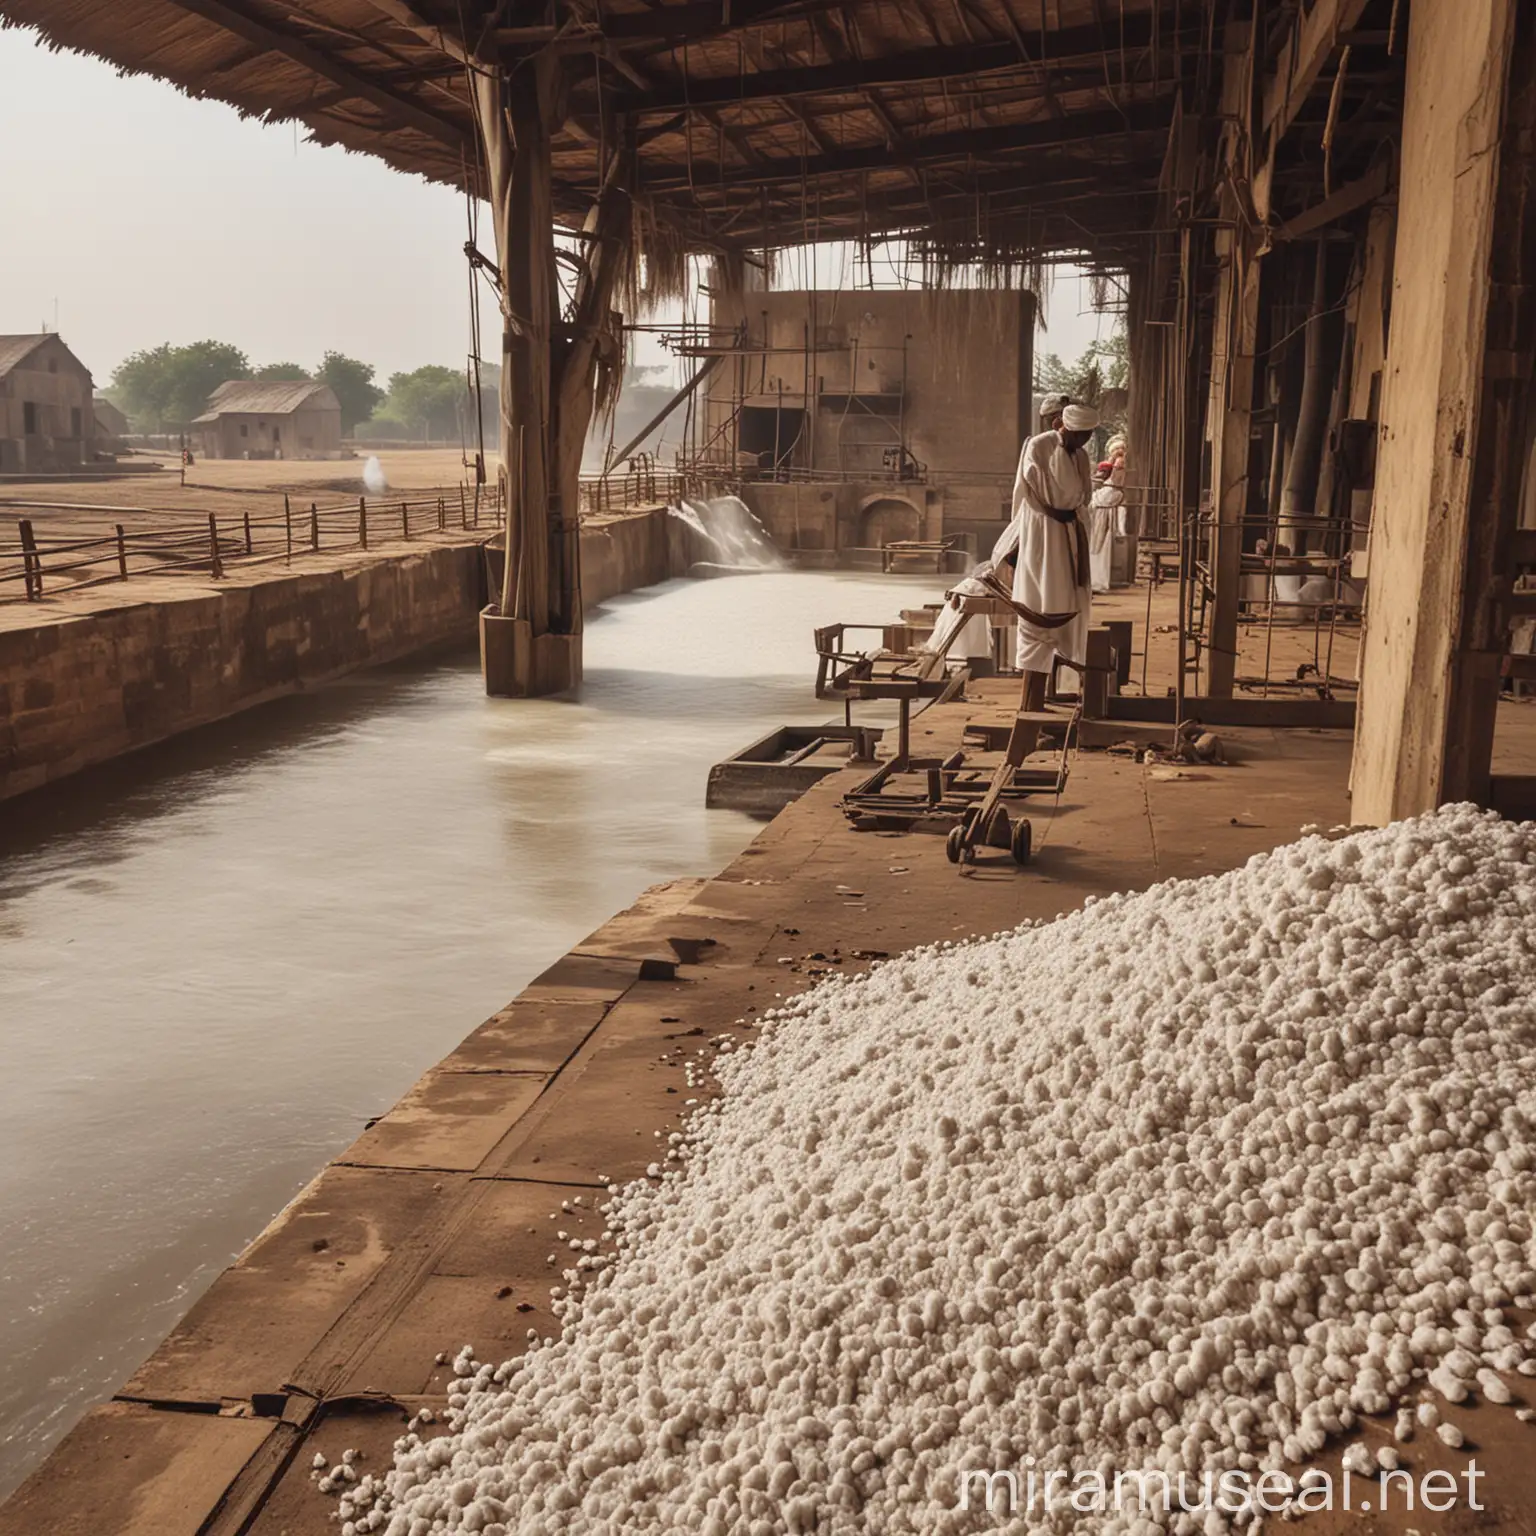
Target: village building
(269, 419)
(111, 426)
(47, 419)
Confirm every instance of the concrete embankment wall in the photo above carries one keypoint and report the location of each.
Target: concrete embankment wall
(82, 684)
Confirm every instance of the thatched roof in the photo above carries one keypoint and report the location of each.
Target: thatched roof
(267, 397)
(1033, 126)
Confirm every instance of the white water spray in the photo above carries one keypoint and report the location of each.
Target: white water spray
(730, 533)
(375, 481)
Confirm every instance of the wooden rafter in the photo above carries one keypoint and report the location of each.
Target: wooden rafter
(393, 104)
(1302, 60)
(963, 143)
(411, 18)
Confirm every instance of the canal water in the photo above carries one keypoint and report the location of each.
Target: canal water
(220, 957)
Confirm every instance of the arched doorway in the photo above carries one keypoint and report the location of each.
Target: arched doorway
(888, 520)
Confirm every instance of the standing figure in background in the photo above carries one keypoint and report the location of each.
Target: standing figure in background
(1051, 581)
(1051, 407)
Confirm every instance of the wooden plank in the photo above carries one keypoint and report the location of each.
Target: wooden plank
(1316, 714)
(1343, 202)
(1302, 59)
(135, 1471)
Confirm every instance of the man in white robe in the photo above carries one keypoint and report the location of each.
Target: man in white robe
(1051, 579)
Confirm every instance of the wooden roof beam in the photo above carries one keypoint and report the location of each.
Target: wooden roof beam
(753, 48)
(1302, 60)
(1144, 118)
(849, 74)
(400, 108)
(694, 22)
(411, 18)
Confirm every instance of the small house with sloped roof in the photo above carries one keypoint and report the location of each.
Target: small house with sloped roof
(47, 418)
(270, 419)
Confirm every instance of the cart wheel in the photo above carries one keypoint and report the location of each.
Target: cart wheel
(998, 832)
(1023, 836)
(954, 844)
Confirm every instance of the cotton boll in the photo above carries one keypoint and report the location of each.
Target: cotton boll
(1492, 1387)
(1450, 1435)
(1191, 1179)
(1358, 1460)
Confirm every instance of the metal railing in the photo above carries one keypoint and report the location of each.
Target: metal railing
(643, 486)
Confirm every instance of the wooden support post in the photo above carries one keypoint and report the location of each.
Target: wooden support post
(551, 359)
(405, 519)
(362, 522)
(31, 563)
(314, 526)
(1234, 345)
(215, 562)
(122, 553)
(463, 510)
(249, 547)
(1100, 663)
(442, 514)
(1454, 411)
(287, 531)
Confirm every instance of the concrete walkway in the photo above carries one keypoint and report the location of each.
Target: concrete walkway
(434, 1228)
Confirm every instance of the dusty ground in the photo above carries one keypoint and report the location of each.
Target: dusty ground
(165, 523)
(222, 485)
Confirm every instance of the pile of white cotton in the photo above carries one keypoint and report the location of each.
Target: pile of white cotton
(1187, 1180)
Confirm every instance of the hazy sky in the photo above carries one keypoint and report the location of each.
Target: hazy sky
(153, 217)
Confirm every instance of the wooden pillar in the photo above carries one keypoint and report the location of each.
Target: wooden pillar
(1236, 342)
(1454, 408)
(1234, 345)
(531, 636)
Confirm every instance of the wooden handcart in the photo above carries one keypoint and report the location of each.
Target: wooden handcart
(973, 805)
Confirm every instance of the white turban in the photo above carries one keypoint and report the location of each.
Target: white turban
(1052, 405)
(1079, 418)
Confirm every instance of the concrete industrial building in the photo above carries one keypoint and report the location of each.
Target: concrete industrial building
(261, 419)
(855, 419)
(47, 415)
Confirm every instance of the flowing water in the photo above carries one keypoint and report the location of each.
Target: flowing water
(729, 533)
(219, 957)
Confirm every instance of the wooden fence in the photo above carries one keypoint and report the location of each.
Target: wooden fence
(34, 565)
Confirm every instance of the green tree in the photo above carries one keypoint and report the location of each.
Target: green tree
(165, 386)
(352, 383)
(429, 400)
(281, 371)
(1099, 377)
